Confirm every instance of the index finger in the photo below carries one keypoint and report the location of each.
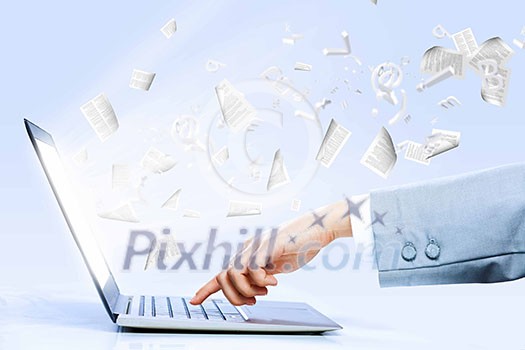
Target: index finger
(208, 289)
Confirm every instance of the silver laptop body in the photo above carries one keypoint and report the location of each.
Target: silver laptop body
(164, 312)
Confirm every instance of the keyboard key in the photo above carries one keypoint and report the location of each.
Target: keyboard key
(226, 308)
(177, 307)
(161, 307)
(134, 307)
(234, 318)
(148, 306)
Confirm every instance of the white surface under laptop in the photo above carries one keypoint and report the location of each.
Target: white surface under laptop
(164, 312)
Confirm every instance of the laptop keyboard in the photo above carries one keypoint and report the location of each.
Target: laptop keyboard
(180, 308)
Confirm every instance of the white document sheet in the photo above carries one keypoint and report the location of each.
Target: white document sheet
(278, 174)
(437, 58)
(189, 213)
(380, 157)
(415, 152)
(120, 176)
(495, 49)
(169, 28)
(221, 156)
(296, 205)
(173, 201)
(441, 141)
(236, 110)
(243, 208)
(465, 41)
(141, 80)
(101, 116)
(123, 213)
(81, 157)
(333, 141)
(156, 161)
(496, 94)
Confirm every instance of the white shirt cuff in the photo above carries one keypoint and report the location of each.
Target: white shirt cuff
(362, 232)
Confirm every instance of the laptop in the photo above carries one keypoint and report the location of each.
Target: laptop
(164, 312)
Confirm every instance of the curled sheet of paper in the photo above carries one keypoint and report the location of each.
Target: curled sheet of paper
(156, 161)
(435, 79)
(440, 141)
(333, 141)
(520, 44)
(237, 112)
(437, 59)
(465, 42)
(123, 213)
(221, 156)
(416, 152)
(169, 28)
(380, 157)
(141, 80)
(120, 176)
(296, 205)
(302, 66)
(494, 49)
(495, 87)
(402, 111)
(167, 244)
(101, 116)
(449, 102)
(81, 157)
(173, 201)
(347, 50)
(189, 213)
(242, 208)
(278, 174)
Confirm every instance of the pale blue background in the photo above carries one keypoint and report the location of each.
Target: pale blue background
(57, 55)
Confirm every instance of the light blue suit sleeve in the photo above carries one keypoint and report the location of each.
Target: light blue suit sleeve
(463, 229)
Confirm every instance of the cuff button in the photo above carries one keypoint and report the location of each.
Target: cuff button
(432, 250)
(409, 252)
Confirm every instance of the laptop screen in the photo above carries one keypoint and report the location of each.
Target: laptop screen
(74, 215)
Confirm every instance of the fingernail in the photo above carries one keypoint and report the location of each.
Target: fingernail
(192, 300)
(251, 303)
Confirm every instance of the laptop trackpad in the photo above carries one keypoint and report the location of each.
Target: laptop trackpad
(283, 313)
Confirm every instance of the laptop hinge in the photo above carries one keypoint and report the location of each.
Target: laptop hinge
(122, 304)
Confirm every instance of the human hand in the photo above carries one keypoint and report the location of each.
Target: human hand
(280, 250)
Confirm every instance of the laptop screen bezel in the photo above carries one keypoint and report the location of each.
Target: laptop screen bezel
(109, 293)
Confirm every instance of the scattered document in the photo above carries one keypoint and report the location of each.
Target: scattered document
(380, 157)
(292, 39)
(347, 50)
(189, 213)
(520, 44)
(122, 213)
(221, 156)
(303, 66)
(333, 141)
(441, 141)
(437, 59)
(156, 161)
(212, 66)
(495, 49)
(101, 116)
(169, 28)
(173, 201)
(81, 157)
(238, 113)
(242, 208)
(416, 152)
(465, 42)
(296, 205)
(141, 80)
(166, 243)
(120, 176)
(278, 174)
